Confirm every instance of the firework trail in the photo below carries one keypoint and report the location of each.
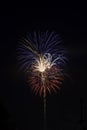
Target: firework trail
(42, 58)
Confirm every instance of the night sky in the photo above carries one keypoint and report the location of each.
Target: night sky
(20, 109)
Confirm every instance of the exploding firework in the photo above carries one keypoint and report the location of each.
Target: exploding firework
(42, 57)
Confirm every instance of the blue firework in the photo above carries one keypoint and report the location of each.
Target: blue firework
(40, 43)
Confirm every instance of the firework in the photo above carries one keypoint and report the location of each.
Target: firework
(42, 58)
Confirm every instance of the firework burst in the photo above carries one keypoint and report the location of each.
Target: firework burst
(42, 57)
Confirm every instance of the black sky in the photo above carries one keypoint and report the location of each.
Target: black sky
(19, 108)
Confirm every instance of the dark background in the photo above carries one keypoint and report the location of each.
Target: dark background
(20, 109)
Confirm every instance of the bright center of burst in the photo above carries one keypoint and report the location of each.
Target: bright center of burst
(42, 64)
